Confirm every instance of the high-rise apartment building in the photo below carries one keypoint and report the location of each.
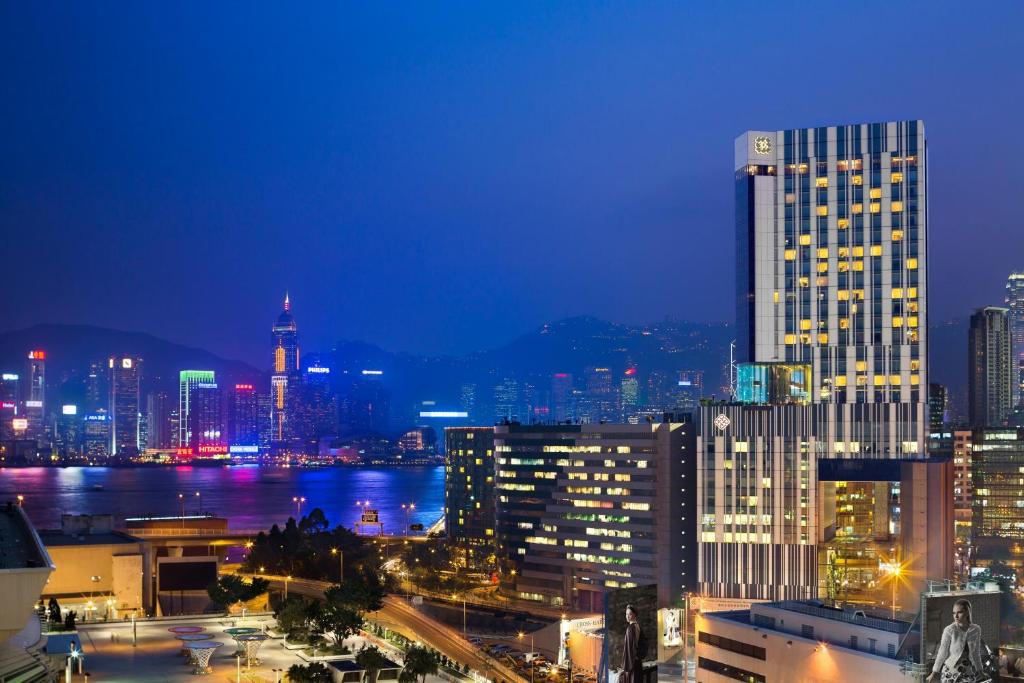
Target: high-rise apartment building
(989, 373)
(469, 492)
(162, 427)
(938, 405)
(582, 509)
(831, 267)
(124, 405)
(1015, 306)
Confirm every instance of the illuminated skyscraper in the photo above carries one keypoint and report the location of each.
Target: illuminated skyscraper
(198, 408)
(1015, 304)
(35, 398)
(285, 342)
(831, 272)
(9, 395)
(124, 405)
(245, 429)
(990, 377)
(162, 432)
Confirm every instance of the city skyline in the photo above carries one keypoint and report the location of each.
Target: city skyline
(363, 227)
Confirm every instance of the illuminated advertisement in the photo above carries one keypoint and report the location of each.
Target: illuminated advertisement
(316, 370)
(212, 449)
(183, 452)
(631, 635)
(37, 355)
(373, 372)
(9, 377)
(444, 413)
(940, 611)
(243, 450)
(33, 404)
(69, 410)
(20, 424)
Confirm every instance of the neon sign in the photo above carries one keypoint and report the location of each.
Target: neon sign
(33, 404)
(373, 372)
(69, 410)
(9, 377)
(243, 387)
(212, 450)
(20, 424)
(183, 452)
(37, 355)
(317, 370)
(443, 413)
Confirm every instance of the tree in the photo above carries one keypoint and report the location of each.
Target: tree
(371, 661)
(311, 673)
(293, 616)
(419, 662)
(231, 589)
(338, 619)
(362, 592)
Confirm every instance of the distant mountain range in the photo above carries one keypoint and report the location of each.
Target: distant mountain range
(570, 346)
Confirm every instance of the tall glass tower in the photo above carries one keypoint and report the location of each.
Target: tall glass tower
(1015, 304)
(285, 341)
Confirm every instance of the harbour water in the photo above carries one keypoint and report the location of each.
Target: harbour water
(252, 497)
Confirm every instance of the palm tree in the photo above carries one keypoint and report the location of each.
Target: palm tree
(419, 662)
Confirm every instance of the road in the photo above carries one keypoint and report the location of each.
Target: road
(399, 615)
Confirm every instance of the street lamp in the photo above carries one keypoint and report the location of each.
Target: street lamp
(286, 580)
(199, 503)
(408, 507)
(298, 500)
(341, 563)
(181, 500)
(521, 636)
(21, 501)
(895, 572)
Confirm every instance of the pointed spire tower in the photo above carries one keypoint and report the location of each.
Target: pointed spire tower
(285, 338)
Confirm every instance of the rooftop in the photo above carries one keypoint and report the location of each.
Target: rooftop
(18, 548)
(846, 615)
(53, 539)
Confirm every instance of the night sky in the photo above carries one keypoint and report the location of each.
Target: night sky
(439, 177)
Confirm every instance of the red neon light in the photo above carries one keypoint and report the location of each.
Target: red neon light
(244, 387)
(630, 372)
(7, 405)
(561, 375)
(212, 450)
(183, 452)
(541, 410)
(37, 355)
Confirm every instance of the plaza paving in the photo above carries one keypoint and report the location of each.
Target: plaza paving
(110, 656)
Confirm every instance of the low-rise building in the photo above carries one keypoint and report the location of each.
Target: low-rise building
(777, 642)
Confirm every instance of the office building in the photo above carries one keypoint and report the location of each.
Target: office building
(689, 390)
(989, 374)
(365, 405)
(1015, 312)
(601, 399)
(792, 640)
(957, 446)
(831, 266)
(562, 407)
(244, 411)
(124, 406)
(938, 404)
(35, 396)
(67, 431)
(97, 390)
(469, 492)
(160, 420)
(585, 508)
(285, 345)
(96, 435)
(506, 401)
(10, 395)
(199, 409)
(629, 397)
(997, 529)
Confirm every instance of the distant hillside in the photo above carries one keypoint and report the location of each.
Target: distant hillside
(70, 349)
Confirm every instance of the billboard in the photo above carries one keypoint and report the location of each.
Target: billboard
(644, 600)
(186, 574)
(937, 614)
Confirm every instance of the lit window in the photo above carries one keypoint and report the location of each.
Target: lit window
(790, 254)
(875, 193)
(862, 380)
(843, 295)
(858, 294)
(876, 250)
(915, 379)
(858, 251)
(805, 240)
(791, 339)
(804, 281)
(897, 321)
(822, 210)
(912, 292)
(896, 206)
(802, 168)
(822, 338)
(912, 263)
(821, 281)
(790, 198)
(897, 177)
(844, 223)
(822, 253)
(897, 235)
(897, 293)
(843, 266)
(862, 365)
(875, 207)
(857, 179)
(775, 296)
(915, 365)
(841, 381)
(842, 165)
(821, 182)
(844, 324)
(805, 324)
(857, 208)
(858, 265)
(879, 380)
(912, 321)
(844, 252)
(823, 267)
(894, 379)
